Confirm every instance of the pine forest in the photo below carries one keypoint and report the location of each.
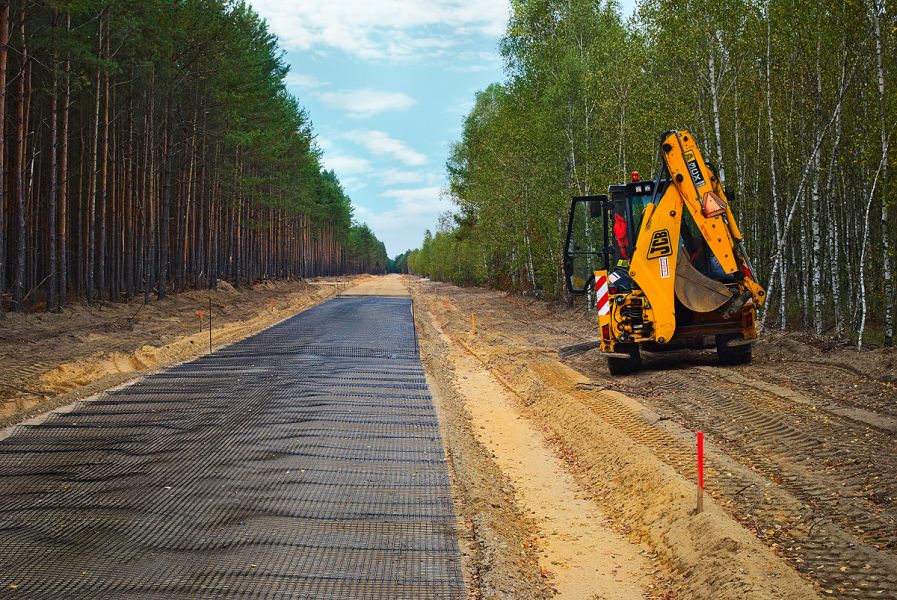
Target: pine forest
(150, 146)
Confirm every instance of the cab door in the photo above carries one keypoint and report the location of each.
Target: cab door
(587, 246)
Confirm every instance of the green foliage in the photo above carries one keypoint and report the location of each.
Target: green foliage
(587, 95)
(399, 264)
(367, 254)
(184, 150)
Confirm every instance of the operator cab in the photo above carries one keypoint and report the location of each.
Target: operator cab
(602, 230)
(627, 207)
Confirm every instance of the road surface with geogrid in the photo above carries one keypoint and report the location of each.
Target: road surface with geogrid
(303, 462)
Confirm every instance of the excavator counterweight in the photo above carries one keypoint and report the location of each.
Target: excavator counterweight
(666, 261)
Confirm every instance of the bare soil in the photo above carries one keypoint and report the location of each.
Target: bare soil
(801, 462)
(388, 285)
(579, 552)
(49, 360)
(569, 483)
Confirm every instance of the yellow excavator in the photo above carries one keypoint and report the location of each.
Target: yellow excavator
(666, 262)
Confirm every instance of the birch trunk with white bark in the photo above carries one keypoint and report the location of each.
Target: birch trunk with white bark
(877, 7)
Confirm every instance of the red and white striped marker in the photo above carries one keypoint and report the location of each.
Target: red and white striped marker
(602, 297)
(700, 471)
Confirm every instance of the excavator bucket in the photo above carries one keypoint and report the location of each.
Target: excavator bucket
(697, 291)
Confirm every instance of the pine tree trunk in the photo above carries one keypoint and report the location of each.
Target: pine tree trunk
(4, 51)
(102, 191)
(53, 194)
(130, 202)
(63, 179)
(19, 284)
(238, 241)
(90, 220)
(165, 219)
(81, 217)
(146, 195)
(116, 250)
(31, 208)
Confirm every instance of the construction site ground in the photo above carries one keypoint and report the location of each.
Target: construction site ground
(566, 482)
(303, 461)
(801, 478)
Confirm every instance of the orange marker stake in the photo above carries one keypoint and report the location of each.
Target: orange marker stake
(700, 471)
(200, 321)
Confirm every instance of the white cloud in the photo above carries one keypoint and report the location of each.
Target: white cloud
(380, 143)
(324, 143)
(402, 226)
(419, 200)
(346, 165)
(476, 62)
(354, 184)
(364, 103)
(397, 176)
(400, 30)
(303, 81)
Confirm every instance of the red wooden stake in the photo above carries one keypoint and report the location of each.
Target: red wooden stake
(200, 321)
(700, 471)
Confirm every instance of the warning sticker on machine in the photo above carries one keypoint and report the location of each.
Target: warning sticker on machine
(694, 170)
(664, 267)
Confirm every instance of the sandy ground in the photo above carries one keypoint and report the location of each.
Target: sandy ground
(50, 360)
(569, 483)
(579, 552)
(387, 285)
(801, 467)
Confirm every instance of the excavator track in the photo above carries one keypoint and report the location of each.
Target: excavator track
(841, 514)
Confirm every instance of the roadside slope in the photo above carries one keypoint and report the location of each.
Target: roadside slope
(577, 549)
(49, 360)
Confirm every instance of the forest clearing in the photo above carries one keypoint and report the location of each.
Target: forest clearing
(639, 343)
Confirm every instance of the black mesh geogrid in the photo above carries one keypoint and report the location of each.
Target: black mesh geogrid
(303, 462)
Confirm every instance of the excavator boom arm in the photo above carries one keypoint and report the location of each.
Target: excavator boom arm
(660, 267)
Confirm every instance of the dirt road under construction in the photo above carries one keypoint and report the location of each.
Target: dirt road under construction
(802, 459)
(301, 462)
(374, 448)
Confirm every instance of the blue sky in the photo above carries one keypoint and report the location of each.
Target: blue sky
(387, 84)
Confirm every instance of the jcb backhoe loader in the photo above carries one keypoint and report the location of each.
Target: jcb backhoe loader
(667, 262)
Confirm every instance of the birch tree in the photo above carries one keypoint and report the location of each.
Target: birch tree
(782, 98)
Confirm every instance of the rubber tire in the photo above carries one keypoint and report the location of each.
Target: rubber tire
(735, 355)
(625, 366)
